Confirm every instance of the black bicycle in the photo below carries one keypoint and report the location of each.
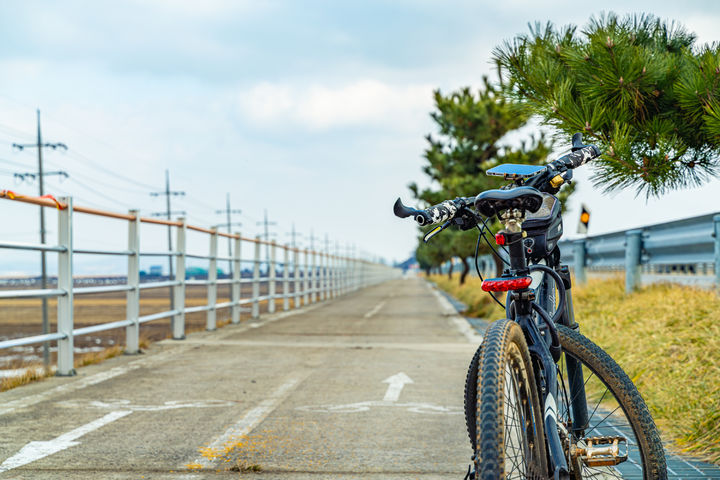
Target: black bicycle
(541, 400)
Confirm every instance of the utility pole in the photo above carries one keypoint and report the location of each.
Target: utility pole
(312, 239)
(293, 234)
(267, 236)
(229, 211)
(168, 214)
(43, 261)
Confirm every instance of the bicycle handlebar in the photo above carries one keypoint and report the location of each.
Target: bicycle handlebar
(439, 213)
(578, 157)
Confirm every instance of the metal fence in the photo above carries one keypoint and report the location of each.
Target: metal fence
(302, 276)
(689, 246)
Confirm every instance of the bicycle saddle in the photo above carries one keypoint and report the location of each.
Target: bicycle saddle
(491, 202)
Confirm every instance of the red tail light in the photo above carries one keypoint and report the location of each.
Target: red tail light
(506, 284)
(500, 239)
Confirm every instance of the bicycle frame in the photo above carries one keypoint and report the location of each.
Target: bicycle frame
(519, 308)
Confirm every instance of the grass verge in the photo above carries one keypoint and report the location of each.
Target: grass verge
(666, 337)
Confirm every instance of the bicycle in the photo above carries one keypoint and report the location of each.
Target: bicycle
(542, 400)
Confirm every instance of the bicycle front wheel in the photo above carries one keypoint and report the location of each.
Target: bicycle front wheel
(509, 435)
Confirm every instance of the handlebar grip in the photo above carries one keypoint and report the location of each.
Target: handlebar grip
(436, 214)
(581, 156)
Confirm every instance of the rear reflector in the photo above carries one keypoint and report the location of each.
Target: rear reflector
(506, 284)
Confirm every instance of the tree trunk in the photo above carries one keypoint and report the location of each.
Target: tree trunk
(465, 271)
(427, 271)
(450, 270)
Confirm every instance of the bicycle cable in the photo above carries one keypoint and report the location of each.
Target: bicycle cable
(477, 267)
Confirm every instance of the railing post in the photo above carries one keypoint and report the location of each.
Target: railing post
(580, 261)
(286, 278)
(716, 234)
(296, 275)
(236, 285)
(306, 280)
(323, 278)
(179, 290)
(313, 277)
(132, 307)
(212, 283)
(336, 276)
(65, 322)
(256, 281)
(633, 249)
(271, 280)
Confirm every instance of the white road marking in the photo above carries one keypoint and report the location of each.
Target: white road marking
(36, 450)
(126, 405)
(250, 420)
(375, 310)
(397, 382)
(415, 407)
(81, 383)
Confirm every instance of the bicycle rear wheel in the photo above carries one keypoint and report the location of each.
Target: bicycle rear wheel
(510, 441)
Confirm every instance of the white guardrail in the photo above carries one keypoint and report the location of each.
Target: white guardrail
(304, 277)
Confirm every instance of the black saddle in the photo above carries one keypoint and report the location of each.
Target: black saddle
(491, 202)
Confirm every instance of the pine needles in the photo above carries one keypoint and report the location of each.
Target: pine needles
(636, 85)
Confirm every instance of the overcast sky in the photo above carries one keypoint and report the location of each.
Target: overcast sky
(313, 110)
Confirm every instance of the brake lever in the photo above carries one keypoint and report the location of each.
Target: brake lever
(428, 236)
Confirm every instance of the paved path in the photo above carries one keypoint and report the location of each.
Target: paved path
(366, 386)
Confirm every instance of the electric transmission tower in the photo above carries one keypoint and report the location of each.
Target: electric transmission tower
(168, 213)
(229, 211)
(267, 234)
(43, 261)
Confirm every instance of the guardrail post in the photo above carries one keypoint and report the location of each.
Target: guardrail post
(178, 325)
(716, 234)
(579, 260)
(633, 249)
(65, 323)
(256, 281)
(271, 280)
(212, 283)
(286, 278)
(236, 277)
(296, 275)
(306, 280)
(336, 276)
(132, 307)
(313, 277)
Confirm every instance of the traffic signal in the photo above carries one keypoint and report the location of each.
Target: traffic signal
(584, 219)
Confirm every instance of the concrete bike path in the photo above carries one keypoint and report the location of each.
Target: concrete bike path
(368, 385)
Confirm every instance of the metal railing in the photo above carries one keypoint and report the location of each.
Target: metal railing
(305, 277)
(692, 244)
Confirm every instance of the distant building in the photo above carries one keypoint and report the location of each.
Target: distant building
(156, 270)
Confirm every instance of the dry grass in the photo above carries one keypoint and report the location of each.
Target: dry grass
(667, 339)
(34, 373)
(479, 303)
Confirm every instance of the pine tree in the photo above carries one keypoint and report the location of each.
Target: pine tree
(638, 86)
(471, 128)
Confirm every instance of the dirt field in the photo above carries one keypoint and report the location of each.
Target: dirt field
(23, 317)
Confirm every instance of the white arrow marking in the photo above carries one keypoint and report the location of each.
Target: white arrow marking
(36, 450)
(397, 382)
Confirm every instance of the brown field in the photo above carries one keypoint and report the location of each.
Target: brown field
(23, 317)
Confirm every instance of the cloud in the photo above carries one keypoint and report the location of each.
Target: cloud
(320, 107)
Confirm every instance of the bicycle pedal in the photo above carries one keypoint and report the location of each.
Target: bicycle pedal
(603, 451)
